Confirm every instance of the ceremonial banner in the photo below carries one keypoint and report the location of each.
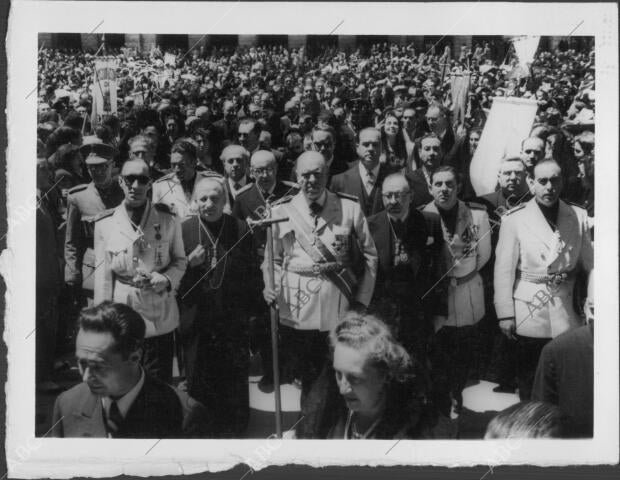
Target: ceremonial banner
(459, 88)
(525, 48)
(509, 122)
(170, 59)
(104, 89)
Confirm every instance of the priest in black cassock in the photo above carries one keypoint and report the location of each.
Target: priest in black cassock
(217, 297)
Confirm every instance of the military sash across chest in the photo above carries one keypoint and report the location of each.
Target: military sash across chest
(342, 276)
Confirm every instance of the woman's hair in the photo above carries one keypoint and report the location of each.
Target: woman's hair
(364, 331)
(586, 140)
(63, 157)
(59, 137)
(526, 420)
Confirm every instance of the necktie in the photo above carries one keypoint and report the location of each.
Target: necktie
(315, 210)
(398, 228)
(370, 181)
(237, 186)
(114, 419)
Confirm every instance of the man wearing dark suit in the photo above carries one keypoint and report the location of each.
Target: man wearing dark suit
(565, 375)
(400, 235)
(235, 160)
(437, 123)
(363, 179)
(218, 294)
(512, 191)
(324, 141)
(117, 399)
(430, 153)
(252, 202)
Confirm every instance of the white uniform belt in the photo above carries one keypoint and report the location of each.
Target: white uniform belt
(315, 268)
(454, 281)
(549, 278)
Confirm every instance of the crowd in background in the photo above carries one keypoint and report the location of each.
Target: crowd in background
(279, 100)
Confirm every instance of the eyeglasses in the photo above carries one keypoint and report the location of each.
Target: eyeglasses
(131, 179)
(395, 195)
(139, 153)
(262, 171)
(530, 150)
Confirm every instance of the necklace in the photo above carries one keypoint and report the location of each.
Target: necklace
(355, 434)
(213, 250)
(400, 254)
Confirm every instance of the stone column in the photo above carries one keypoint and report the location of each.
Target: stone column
(248, 40)
(90, 41)
(147, 41)
(132, 40)
(347, 42)
(457, 42)
(297, 41)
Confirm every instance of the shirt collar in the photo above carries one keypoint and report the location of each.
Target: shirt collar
(321, 200)
(364, 172)
(241, 182)
(125, 402)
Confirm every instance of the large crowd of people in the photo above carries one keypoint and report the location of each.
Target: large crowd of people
(394, 282)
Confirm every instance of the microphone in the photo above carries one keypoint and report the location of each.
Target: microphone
(264, 222)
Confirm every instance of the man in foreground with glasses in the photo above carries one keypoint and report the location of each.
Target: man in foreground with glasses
(543, 244)
(140, 262)
(84, 203)
(400, 235)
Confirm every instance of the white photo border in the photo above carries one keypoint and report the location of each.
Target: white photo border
(30, 457)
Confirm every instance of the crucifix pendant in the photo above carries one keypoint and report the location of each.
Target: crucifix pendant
(213, 257)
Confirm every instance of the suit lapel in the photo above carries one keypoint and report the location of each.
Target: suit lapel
(383, 239)
(89, 415)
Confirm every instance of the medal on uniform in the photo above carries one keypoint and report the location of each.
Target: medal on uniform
(157, 228)
(404, 257)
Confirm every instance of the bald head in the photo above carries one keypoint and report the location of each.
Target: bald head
(210, 198)
(397, 197)
(263, 167)
(311, 174)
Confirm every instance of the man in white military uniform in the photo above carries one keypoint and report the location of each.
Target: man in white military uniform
(542, 246)
(462, 246)
(176, 188)
(314, 251)
(140, 262)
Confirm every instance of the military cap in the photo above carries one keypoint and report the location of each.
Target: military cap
(96, 152)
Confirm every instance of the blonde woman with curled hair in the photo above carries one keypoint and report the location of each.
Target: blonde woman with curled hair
(372, 389)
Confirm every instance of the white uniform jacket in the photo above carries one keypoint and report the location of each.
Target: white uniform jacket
(528, 244)
(169, 191)
(121, 252)
(314, 302)
(462, 256)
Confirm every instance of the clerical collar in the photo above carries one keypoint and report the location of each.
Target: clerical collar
(214, 226)
(125, 402)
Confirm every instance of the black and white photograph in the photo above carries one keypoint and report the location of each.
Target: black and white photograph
(278, 223)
